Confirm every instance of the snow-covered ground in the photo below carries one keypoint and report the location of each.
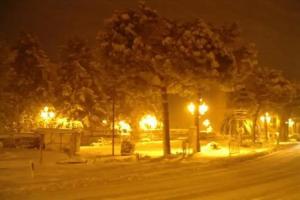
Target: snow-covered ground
(154, 149)
(273, 176)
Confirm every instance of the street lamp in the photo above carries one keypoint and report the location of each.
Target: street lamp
(47, 115)
(200, 108)
(191, 108)
(203, 108)
(266, 119)
(290, 124)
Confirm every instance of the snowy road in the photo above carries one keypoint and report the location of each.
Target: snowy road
(275, 176)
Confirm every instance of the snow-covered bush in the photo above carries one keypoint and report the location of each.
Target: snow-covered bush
(127, 148)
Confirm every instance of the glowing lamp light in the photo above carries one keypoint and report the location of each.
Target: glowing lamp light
(148, 122)
(46, 114)
(209, 129)
(203, 108)
(266, 118)
(51, 115)
(191, 108)
(124, 127)
(290, 122)
(206, 123)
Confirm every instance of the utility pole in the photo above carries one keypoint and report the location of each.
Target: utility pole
(113, 125)
(197, 126)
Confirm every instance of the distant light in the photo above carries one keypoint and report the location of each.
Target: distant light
(51, 114)
(46, 114)
(148, 122)
(209, 129)
(46, 108)
(290, 122)
(124, 127)
(266, 118)
(206, 122)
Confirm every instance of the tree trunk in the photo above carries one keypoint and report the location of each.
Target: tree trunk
(284, 127)
(18, 124)
(135, 135)
(166, 126)
(197, 126)
(255, 123)
(113, 126)
(283, 134)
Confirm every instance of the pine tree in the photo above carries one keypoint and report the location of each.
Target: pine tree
(77, 94)
(28, 76)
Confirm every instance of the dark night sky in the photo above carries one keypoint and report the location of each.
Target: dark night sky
(272, 24)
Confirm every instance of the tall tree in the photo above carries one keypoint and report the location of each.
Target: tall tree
(135, 38)
(163, 52)
(210, 55)
(28, 77)
(199, 45)
(78, 95)
(263, 89)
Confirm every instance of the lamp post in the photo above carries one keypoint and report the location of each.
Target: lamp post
(47, 116)
(290, 124)
(202, 108)
(266, 119)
